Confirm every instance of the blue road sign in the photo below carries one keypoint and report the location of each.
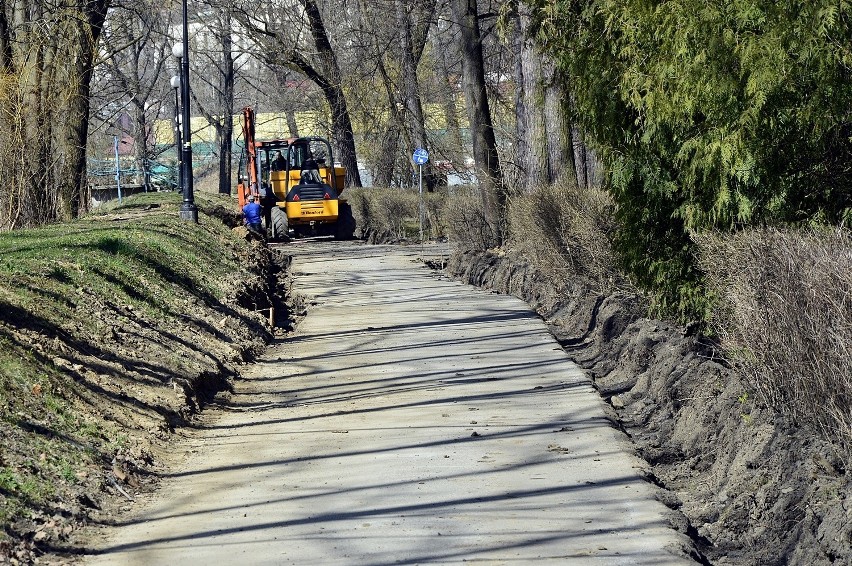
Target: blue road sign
(421, 156)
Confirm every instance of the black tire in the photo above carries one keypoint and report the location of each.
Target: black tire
(344, 229)
(278, 223)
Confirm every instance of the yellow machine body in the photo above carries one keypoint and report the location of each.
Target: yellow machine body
(282, 175)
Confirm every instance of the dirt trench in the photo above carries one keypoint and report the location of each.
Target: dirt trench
(752, 488)
(127, 381)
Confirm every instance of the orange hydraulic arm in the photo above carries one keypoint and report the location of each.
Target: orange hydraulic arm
(252, 184)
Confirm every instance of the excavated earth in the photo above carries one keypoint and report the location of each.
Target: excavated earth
(751, 488)
(143, 379)
(754, 489)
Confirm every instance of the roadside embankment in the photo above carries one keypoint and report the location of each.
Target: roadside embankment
(754, 488)
(115, 329)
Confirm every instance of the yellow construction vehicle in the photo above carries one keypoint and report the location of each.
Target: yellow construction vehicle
(297, 183)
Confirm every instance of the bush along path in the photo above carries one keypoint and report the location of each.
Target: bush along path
(752, 487)
(114, 330)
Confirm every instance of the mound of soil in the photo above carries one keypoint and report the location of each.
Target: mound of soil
(753, 487)
(132, 374)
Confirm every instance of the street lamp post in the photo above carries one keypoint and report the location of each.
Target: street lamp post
(188, 210)
(175, 84)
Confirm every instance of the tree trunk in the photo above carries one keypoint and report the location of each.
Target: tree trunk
(225, 134)
(383, 173)
(331, 84)
(74, 171)
(449, 101)
(479, 114)
(393, 135)
(50, 67)
(140, 140)
(414, 117)
(342, 126)
(521, 160)
(545, 151)
(535, 141)
(581, 158)
(292, 125)
(593, 167)
(560, 138)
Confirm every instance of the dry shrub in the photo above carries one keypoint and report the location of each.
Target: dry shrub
(466, 223)
(393, 214)
(434, 214)
(394, 208)
(361, 206)
(567, 232)
(785, 317)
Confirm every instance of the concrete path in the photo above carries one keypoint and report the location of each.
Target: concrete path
(409, 420)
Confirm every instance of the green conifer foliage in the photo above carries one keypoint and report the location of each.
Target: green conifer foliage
(711, 113)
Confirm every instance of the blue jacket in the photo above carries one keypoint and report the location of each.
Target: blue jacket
(252, 213)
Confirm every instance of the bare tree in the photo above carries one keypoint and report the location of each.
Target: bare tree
(131, 76)
(46, 54)
(216, 73)
(413, 29)
(380, 105)
(560, 130)
(485, 154)
(446, 90)
(532, 154)
(298, 39)
(545, 141)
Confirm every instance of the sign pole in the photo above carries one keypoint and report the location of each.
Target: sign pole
(420, 158)
(421, 203)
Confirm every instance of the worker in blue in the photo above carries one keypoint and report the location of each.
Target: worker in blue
(252, 214)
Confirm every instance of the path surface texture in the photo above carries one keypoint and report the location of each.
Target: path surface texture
(409, 420)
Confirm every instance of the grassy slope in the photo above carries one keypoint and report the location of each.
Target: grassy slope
(111, 327)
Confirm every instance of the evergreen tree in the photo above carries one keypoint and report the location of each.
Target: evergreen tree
(712, 114)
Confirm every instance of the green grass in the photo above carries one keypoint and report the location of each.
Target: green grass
(94, 313)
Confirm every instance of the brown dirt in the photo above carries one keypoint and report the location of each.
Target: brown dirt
(752, 488)
(138, 379)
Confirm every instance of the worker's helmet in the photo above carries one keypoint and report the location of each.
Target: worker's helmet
(251, 198)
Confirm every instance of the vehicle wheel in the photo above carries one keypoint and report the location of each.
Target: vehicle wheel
(345, 227)
(279, 224)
